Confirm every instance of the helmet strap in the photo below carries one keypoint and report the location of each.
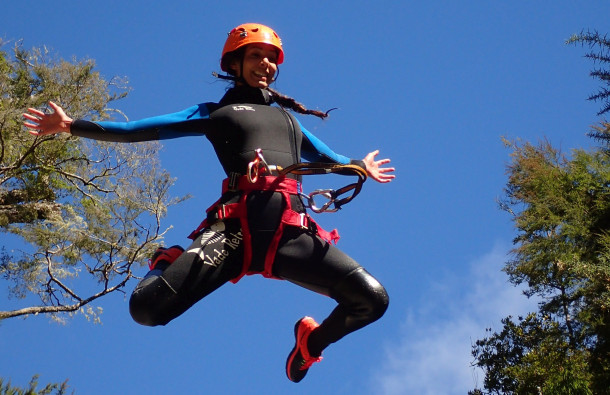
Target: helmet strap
(277, 74)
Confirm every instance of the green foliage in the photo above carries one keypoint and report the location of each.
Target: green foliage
(87, 211)
(599, 54)
(561, 209)
(54, 388)
(532, 356)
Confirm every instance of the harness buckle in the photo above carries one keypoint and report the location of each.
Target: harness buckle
(218, 213)
(305, 222)
(302, 217)
(233, 181)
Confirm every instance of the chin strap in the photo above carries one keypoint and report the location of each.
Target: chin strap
(224, 77)
(228, 77)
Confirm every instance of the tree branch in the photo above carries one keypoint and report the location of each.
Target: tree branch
(35, 310)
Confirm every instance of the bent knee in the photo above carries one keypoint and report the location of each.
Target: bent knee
(378, 302)
(143, 311)
(375, 300)
(363, 294)
(146, 304)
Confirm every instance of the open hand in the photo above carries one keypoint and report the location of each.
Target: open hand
(42, 124)
(376, 170)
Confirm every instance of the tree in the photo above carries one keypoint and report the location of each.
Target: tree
(599, 53)
(84, 212)
(531, 356)
(32, 389)
(561, 209)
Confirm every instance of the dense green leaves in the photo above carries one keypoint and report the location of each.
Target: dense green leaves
(532, 356)
(561, 209)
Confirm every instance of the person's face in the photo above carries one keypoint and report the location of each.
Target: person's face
(259, 65)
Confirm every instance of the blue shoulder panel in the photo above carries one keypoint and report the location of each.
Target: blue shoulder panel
(321, 153)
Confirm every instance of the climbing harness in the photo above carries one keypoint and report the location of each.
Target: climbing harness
(261, 176)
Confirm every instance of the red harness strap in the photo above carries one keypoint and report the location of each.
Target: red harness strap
(283, 185)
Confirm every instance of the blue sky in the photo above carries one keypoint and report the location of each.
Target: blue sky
(434, 85)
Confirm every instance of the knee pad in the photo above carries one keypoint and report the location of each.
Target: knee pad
(145, 303)
(362, 294)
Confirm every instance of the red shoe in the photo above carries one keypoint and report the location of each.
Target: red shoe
(163, 254)
(299, 360)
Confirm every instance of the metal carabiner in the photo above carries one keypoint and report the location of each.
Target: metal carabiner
(261, 160)
(325, 193)
(255, 166)
(252, 172)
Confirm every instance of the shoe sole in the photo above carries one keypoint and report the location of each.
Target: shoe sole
(294, 350)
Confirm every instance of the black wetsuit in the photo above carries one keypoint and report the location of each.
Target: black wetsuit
(236, 126)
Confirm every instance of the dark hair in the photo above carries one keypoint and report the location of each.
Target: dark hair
(281, 99)
(230, 57)
(288, 102)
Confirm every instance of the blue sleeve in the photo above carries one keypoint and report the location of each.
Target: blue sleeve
(179, 124)
(314, 150)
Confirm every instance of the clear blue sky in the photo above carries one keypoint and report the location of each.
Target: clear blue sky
(434, 85)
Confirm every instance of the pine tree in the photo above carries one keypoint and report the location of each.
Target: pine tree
(561, 211)
(599, 53)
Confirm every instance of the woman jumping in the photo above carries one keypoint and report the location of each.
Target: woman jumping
(260, 224)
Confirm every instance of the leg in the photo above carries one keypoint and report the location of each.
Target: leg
(214, 258)
(319, 266)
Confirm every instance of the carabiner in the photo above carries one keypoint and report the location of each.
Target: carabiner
(261, 160)
(255, 166)
(252, 172)
(325, 193)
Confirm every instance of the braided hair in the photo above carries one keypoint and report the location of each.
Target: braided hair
(288, 102)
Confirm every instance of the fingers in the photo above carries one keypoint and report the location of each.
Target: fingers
(383, 162)
(386, 169)
(384, 179)
(30, 117)
(56, 109)
(35, 121)
(371, 155)
(36, 112)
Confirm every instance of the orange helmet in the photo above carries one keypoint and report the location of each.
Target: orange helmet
(250, 33)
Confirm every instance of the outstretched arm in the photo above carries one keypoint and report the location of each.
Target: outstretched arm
(316, 150)
(376, 169)
(180, 124)
(42, 124)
